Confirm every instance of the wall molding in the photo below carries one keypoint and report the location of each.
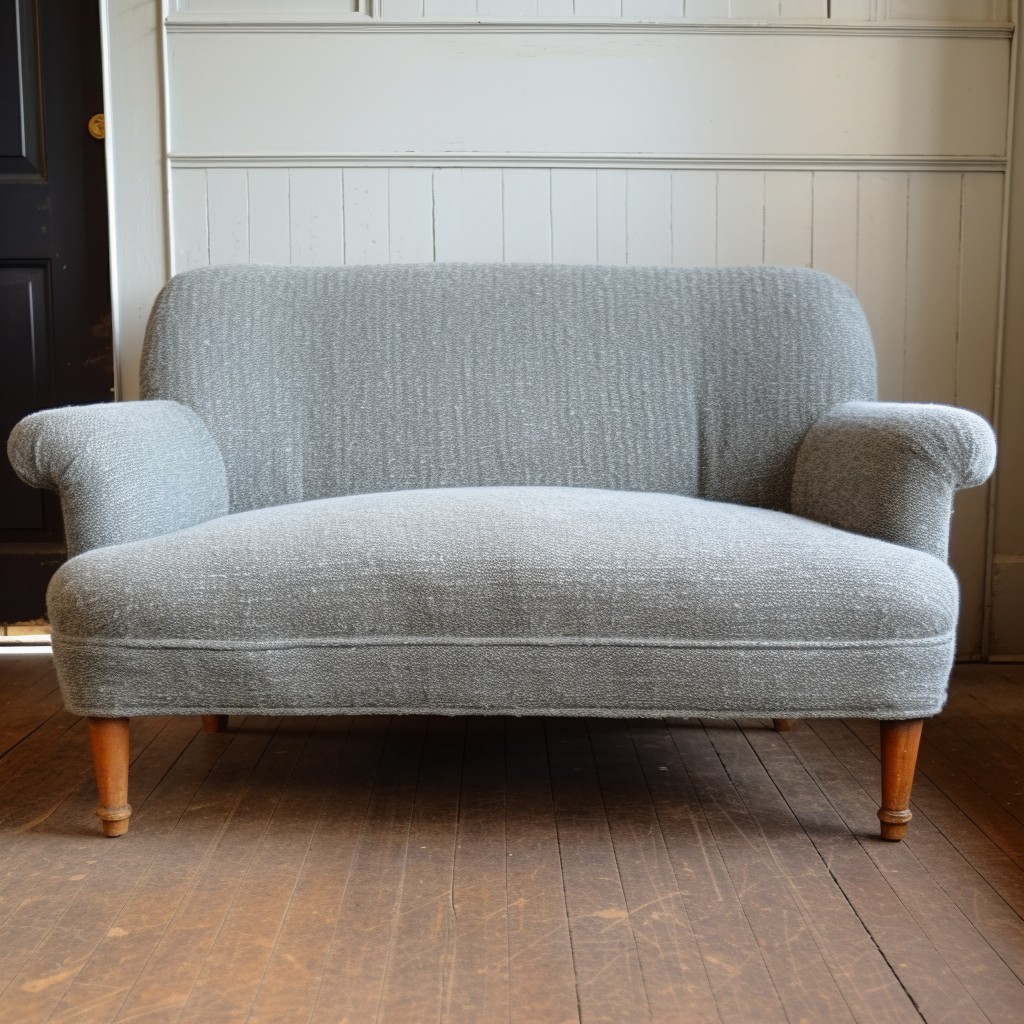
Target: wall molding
(248, 23)
(598, 161)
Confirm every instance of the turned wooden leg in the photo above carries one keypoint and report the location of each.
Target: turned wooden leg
(109, 738)
(215, 723)
(900, 741)
(783, 724)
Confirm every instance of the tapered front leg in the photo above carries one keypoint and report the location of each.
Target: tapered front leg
(900, 743)
(783, 724)
(109, 739)
(215, 723)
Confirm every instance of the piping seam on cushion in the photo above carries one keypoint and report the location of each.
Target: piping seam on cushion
(414, 641)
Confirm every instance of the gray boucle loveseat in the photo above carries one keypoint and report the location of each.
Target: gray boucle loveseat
(520, 490)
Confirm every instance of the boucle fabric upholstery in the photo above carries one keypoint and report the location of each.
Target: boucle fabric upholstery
(890, 470)
(699, 608)
(515, 489)
(124, 471)
(317, 382)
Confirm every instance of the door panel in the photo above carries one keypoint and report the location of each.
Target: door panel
(55, 338)
(24, 338)
(20, 91)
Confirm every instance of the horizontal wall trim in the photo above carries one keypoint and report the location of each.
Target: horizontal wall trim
(596, 161)
(245, 23)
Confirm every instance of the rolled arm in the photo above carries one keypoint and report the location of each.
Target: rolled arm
(890, 470)
(124, 471)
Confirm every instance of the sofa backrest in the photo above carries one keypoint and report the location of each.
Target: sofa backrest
(322, 381)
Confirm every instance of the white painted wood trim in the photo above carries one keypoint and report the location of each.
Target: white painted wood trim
(136, 145)
(196, 22)
(597, 161)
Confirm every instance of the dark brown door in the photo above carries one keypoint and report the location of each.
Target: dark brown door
(54, 284)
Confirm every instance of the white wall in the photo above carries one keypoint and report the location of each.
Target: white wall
(871, 145)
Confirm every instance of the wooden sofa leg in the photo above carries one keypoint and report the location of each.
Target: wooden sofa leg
(783, 724)
(109, 739)
(215, 723)
(900, 742)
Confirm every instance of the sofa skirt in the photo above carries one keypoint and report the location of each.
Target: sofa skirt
(882, 679)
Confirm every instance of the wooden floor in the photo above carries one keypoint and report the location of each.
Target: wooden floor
(414, 870)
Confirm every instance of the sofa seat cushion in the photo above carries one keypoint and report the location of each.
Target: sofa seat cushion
(488, 595)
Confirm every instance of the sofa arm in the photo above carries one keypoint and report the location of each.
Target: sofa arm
(124, 471)
(889, 470)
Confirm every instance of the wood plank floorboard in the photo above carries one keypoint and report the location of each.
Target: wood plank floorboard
(414, 869)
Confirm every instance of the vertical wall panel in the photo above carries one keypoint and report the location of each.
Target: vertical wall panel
(365, 214)
(467, 215)
(526, 212)
(803, 9)
(649, 217)
(269, 217)
(980, 261)
(980, 256)
(574, 215)
(611, 216)
(882, 272)
(652, 8)
(740, 217)
(316, 217)
(694, 218)
(400, 10)
(933, 288)
(191, 230)
(227, 199)
(449, 8)
(754, 9)
(598, 8)
(411, 220)
(506, 8)
(834, 230)
(788, 200)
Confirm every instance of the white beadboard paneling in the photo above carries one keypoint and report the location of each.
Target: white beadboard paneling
(496, 92)
(574, 216)
(611, 216)
(411, 226)
(526, 213)
(316, 217)
(649, 217)
(803, 10)
(740, 217)
(857, 10)
(978, 11)
(980, 256)
(882, 272)
(707, 10)
(834, 226)
(227, 199)
(269, 216)
(507, 8)
(258, 7)
(365, 214)
(400, 10)
(598, 8)
(555, 9)
(787, 217)
(933, 288)
(449, 8)
(652, 8)
(467, 215)
(191, 232)
(981, 225)
(694, 218)
(754, 9)
(948, 10)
